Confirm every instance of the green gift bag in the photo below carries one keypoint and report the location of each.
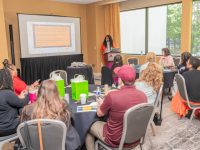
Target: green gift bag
(77, 88)
(61, 87)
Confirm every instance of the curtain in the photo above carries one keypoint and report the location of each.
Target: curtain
(40, 67)
(112, 22)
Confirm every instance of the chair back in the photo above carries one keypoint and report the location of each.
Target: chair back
(53, 134)
(177, 61)
(133, 61)
(182, 87)
(106, 76)
(136, 120)
(62, 73)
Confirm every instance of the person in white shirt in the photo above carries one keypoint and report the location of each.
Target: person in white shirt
(150, 81)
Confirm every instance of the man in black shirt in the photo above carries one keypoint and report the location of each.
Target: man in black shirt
(192, 79)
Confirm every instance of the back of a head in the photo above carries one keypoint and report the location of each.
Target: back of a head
(153, 76)
(185, 56)
(118, 60)
(166, 51)
(151, 57)
(195, 62)
(48, 104)
(6, 81)
(9, 66)
(127, 74)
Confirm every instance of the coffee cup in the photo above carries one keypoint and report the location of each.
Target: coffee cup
(33, 96)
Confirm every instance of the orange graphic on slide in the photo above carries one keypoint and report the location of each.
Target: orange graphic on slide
(52, 36)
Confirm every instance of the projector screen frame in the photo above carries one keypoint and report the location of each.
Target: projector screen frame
(48, 15)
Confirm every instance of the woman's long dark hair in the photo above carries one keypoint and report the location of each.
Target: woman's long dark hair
(166, 51)
(118, 62)
(110, 39)
(185, 56)
(6, 81)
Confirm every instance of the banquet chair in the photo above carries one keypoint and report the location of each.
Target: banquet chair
(7, 139)
(135, 123)
(62, 73)
(53, 134)
(157, 103)
(177, 60)
(132, 61)
(183, 93)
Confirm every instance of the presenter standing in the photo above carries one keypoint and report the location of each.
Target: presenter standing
(105, 48)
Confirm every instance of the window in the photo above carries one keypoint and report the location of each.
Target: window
(157, 27)
(160, 28)
(196, 29)
(133, 31)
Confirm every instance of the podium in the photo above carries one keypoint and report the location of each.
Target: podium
(109, 56)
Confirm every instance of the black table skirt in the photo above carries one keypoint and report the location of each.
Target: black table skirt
(86, 71)
(40, 67)
(82, 121)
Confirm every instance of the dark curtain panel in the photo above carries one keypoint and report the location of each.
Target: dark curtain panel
(86, 71)
(40, 67)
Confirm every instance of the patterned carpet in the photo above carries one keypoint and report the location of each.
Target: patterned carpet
(172, 134)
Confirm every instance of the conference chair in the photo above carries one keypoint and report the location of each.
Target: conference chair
(135, 123)
(157, 104)
(62, 73)
(53, 134)
(183, 93)
(177, 60)
(7, 139)
(132, 61)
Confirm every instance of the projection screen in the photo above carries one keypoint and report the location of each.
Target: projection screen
(49, 35)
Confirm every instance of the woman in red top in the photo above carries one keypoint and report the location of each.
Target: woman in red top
(106, 47)
(18, 84)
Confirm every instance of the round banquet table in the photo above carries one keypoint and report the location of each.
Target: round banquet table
(84, 70)
(82, 121)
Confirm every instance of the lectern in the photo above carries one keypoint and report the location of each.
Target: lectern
(109, 56)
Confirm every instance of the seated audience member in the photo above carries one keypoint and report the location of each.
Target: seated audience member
(166, 61)
(18, 84)
(50, 106)
(184, 58)
(115, 104)
(9, 104)
(192, 81)
(150, 81)
(150, 58)
(118, 62)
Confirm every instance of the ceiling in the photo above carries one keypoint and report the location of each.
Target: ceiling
(78, 1)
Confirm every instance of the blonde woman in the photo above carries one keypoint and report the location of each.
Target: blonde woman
(150, 81)
(150, 58)
(49, 106)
